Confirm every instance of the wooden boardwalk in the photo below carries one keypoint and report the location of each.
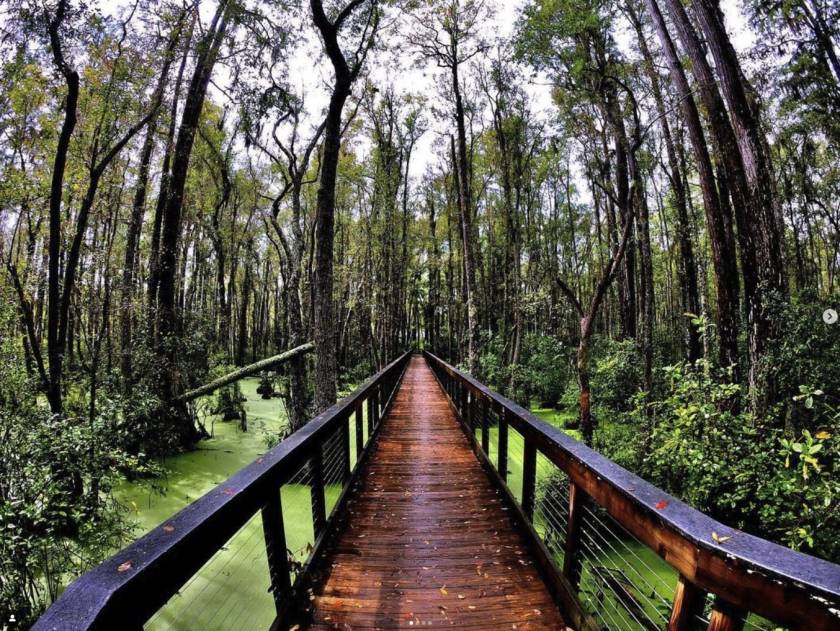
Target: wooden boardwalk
(428, 542)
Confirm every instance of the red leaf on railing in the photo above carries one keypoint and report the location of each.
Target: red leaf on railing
(169, 528)
(661, 504)
(125, 567)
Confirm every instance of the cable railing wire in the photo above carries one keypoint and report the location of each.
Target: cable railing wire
(207, 595)
(643, 618)
(618, 554)
(607, 562)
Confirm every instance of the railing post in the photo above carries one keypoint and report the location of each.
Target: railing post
(466, 414)
(485, 426)
(319, 506)
(345, 447)
(688, 603)
(456, 395)
(275, 548)
(503, 444)
(376, 406)
(726, 617)
(571, 555)
(360, 432)
(529, 478)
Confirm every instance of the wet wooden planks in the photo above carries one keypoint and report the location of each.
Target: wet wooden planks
(428, 543)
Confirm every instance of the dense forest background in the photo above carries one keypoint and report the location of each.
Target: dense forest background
(614, 209)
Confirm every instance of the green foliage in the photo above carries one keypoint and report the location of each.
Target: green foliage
(492, 368)
(616, 373)
(355, 375)
(545, 368)
(741, 470)
(542, 372)
(57, 516)
(806, 353)
(618, 437)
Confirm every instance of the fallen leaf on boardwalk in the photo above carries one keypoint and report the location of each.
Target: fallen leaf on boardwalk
(470, 606)
(461, 597)
(125, 567)
(719, 538)
(661, 504)
(443, 590)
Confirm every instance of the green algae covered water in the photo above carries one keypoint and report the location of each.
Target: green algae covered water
(190, 475)
(231, 590)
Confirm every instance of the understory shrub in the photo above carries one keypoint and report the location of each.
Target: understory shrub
(541, 375)
(741, 470)
(546, 368)
(57, 514)
(616, 373)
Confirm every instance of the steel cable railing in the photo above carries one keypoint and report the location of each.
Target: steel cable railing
(624, 555)
(241, 555)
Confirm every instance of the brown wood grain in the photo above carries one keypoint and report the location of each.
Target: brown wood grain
(429, 542)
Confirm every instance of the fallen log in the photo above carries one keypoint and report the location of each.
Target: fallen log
(245, 371)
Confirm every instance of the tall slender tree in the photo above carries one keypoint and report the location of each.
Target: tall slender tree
(345, 73)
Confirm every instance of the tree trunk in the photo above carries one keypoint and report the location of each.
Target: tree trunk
(718, 216)
(130, 261)
(465, 206)
(687, 266)
(764, 228)
(171, 222)
(55, 352)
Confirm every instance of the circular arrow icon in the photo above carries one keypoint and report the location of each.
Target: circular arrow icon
(829, 316)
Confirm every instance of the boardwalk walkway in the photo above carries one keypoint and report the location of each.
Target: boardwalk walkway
(429, 543)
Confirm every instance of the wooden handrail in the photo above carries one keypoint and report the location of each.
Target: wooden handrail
(128, 588)
(745, 572)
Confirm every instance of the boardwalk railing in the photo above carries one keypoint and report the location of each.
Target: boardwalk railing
(268, 519)
(621, 553)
